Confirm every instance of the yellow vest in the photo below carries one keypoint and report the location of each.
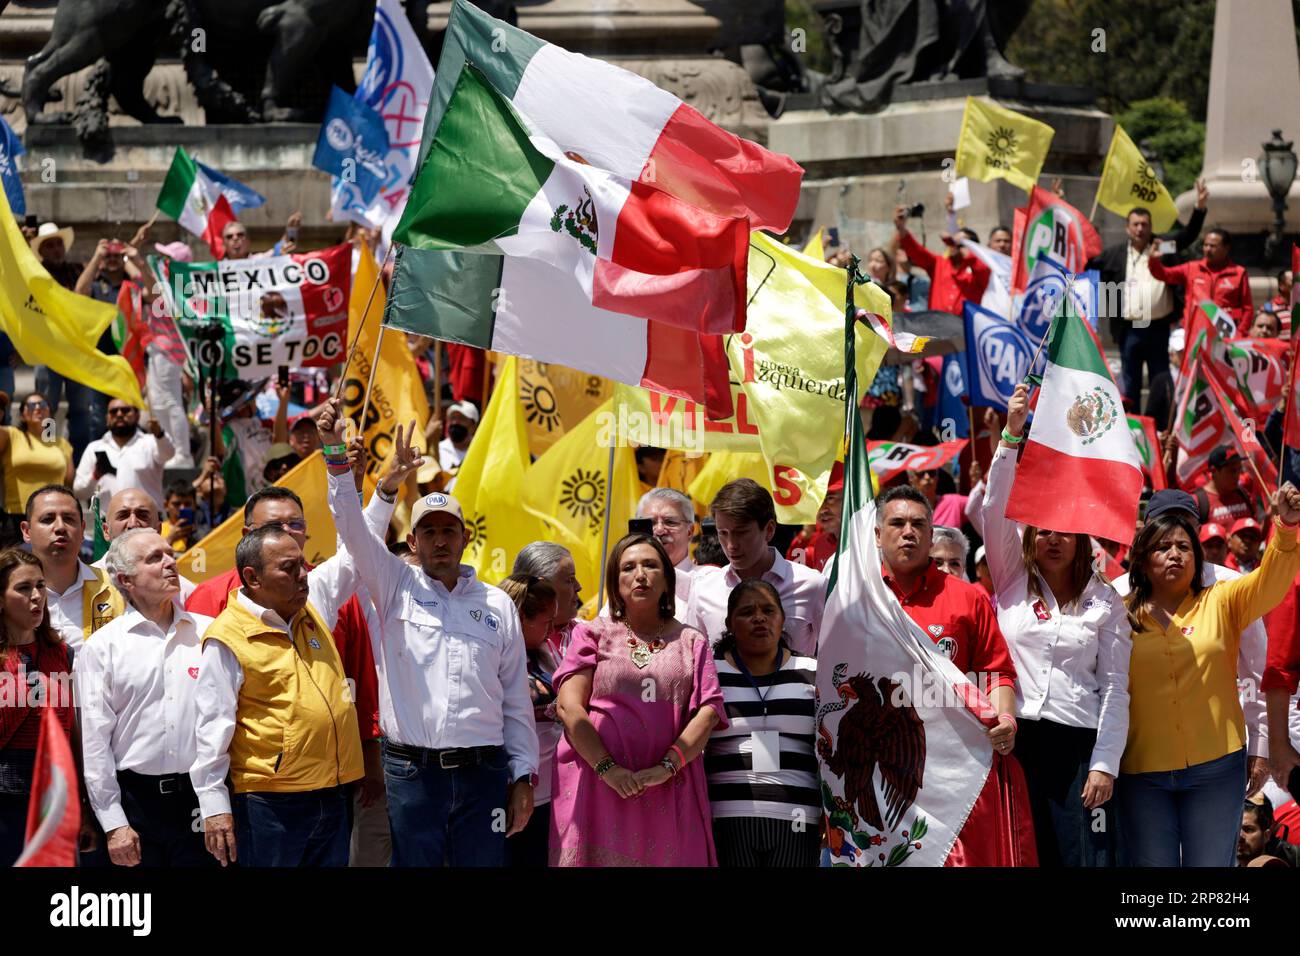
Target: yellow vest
(100, 603)
(296, 724)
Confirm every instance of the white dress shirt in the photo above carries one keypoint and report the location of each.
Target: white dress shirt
(452, 666)
(801, 589)
(66, 608)
(136, 689)
(1144, 297)
(1251, 659)
(330, 584)
(139, 464)
(1071, 663)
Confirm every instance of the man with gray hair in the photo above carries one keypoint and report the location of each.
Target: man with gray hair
(672, 517)
(136, 685)
(948, 550)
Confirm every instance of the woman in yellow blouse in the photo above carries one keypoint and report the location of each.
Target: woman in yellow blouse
(31, 455)
(1183, 775)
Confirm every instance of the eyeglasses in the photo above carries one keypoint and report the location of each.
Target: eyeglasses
(36, 405)
(670, 524)
(298, 524)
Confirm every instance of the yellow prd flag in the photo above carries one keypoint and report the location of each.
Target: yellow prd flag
(569, 487)
(397, 394)
(556, 398)
(1000, 143)
(215, 553)
(815, 248)
(1128, 181)
(491, 481)
(725, 466)
(53, 326)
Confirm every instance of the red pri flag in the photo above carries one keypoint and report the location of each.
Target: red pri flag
(54, 811)
(889, 459)
(1291, 423)
(1055, 229)
(1243, 433)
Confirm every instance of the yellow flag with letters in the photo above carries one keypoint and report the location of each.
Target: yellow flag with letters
(53, 326)
(397, 393)
(998, 143)
(491, 481)
(1129, 181)
(215, 552)
(571, 485)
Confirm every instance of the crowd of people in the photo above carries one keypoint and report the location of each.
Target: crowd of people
(387, 706)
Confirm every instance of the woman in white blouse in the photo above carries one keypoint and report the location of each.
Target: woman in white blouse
(1069, 636)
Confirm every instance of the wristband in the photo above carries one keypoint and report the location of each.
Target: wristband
(1011, 439)
(384, 496)
(334, 449)
(605, 766)
(1014, 725)
(681, 758)
(337, 463)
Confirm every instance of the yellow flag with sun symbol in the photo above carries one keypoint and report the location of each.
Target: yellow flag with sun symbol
(998, 143)
(556, 398)
(570, 486)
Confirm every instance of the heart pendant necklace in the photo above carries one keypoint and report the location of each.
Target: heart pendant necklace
(642, 651)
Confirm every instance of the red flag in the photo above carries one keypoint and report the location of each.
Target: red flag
(1143, 430)
(54, 811)
(1243, 433)
(220, 215)
(1055, 229)
(888, 459)
(135, 332)
(1291, 423)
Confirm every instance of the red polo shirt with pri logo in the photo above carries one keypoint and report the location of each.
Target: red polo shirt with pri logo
(958, 617)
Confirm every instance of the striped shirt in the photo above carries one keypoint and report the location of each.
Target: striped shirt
(787, 706)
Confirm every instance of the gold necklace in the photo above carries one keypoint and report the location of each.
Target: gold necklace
(642, 650)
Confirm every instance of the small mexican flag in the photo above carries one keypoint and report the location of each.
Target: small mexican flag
(1080, 470)
(196, 201)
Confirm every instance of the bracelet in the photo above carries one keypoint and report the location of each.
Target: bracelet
(385, 496)
(334, 449)
(1011, 439)
(1014, 725)
(605, 766)
(667, 764)
(681, 758)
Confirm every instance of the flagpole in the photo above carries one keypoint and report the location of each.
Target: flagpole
(604, 537)
(379, 277)
(374, 366)
(437, 378)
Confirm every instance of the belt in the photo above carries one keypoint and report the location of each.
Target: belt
(165, 784)
(450, 759)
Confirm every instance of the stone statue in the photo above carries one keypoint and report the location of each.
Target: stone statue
(286, 54)
(880, 44)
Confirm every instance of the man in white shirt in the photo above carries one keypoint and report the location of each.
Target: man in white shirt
(80, 598)
(454, 703)
(136, 688)
(135, 458)
(129, 509)
(745, 518)
(672, 517)
(462, 420)
(1251, 658)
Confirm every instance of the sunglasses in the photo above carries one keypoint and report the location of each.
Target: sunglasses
(36, 405)
(120, 411)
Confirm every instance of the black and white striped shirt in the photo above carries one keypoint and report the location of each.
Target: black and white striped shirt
(789, 697)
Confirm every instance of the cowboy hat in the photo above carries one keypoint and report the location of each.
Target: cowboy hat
(49, 230)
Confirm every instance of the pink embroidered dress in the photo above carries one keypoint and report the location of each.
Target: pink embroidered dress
(667, 825)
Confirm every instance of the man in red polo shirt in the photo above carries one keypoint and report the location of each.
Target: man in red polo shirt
(280, 506)
(957, 277)
(1222, 500)
(961, 621)
(1216, 277)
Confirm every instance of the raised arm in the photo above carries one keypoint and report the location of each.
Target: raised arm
(1001, 537)
(1253, 595)
(1188, 234)
(916, 252)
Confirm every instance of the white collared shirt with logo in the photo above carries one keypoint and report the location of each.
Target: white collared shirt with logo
(139, 464)
(452, 667)
(136, 689)
(801, 589)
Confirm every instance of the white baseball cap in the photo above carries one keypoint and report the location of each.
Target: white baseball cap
(467, 409)
(436, 502)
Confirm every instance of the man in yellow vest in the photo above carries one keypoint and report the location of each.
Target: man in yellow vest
(276, 716)
(81, 598)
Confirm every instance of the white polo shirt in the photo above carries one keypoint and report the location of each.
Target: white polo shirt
(801, 589)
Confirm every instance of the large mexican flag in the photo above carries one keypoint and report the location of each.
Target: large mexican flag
(1080, 470)
(624, 125)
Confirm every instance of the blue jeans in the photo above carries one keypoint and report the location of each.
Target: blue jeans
(1188, 817)
(1143, 346)
(293, 829)
(447, 817)
(87, 408)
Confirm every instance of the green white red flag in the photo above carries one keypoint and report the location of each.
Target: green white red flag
(889, 459)
(196, 201)
(1080, 470)
(1243, 433)
(1143, 430)
(1051, 228)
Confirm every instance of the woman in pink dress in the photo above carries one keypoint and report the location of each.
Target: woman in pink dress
(638, 697)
